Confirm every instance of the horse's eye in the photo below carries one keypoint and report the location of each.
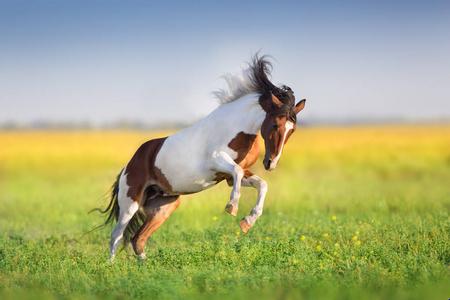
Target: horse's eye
(275, 126)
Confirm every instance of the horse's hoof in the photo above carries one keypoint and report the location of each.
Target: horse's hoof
(245, 226)
(231, 209)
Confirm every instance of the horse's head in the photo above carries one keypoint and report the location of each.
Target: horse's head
(279, 123)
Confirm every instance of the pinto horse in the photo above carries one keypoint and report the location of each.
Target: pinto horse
(222, 146)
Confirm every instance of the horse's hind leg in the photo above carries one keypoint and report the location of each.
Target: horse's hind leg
(127, 208)
(157, 210)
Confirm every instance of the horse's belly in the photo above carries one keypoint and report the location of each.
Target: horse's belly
(185, 173)
(185, 181)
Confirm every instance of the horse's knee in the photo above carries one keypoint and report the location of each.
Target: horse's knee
(263, 187)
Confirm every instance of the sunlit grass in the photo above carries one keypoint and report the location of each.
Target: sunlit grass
(358, 212)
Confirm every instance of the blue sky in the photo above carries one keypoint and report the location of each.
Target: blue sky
(103, 61)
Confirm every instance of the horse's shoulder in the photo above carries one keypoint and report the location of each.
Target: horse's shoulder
(244, 144)
(251, 157)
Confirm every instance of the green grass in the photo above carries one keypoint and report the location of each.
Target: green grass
(359, 213)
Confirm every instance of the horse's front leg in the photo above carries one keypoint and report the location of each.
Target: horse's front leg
(224, 163)
(261, 186)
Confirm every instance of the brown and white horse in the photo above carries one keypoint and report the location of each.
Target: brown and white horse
(222, 146)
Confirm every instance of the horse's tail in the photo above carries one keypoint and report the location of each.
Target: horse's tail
(113, 208)
(133, 226)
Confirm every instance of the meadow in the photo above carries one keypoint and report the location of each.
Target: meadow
(352, 213)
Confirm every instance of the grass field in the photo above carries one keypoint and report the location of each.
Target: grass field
(356, 212)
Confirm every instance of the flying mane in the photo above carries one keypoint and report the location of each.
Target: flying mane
(254, 79)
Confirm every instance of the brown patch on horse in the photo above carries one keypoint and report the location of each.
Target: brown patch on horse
(141, 169)
(273, 130)
(242, 143)
(247, 148)
(158, 211)
(251, 157)
(161, 179)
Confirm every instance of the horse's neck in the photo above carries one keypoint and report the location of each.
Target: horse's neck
(226, 121)
(244, 114)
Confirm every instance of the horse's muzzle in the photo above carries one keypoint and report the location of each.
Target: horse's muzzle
(267, 163)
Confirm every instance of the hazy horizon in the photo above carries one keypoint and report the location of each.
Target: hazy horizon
(107, 61)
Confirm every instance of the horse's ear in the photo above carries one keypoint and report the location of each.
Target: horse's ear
(269, 101)
(299, 106)
(276, 101)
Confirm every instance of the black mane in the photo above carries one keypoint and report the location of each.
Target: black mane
(261, 69)
(256, 80)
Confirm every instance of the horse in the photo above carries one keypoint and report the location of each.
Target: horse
(221, 146)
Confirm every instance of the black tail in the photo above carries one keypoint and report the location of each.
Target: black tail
(133, 226)
(113, 207)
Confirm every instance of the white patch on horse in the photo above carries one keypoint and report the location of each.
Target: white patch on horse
(288, 127)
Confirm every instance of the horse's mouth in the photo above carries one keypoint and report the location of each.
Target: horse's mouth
(267, 163)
